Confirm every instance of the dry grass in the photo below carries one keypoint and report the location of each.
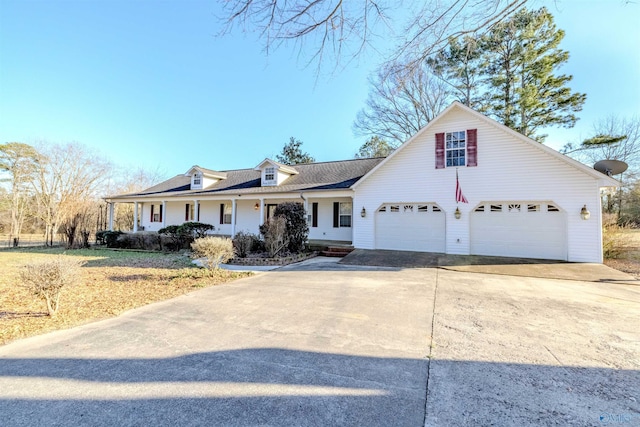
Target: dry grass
(629, 260)
(111, 283)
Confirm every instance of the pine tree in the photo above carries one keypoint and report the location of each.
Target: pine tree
(374, 147)
(459, 66)
(292, 154)
(522, 56)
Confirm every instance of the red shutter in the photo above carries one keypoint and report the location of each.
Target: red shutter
(472, 147)
(440, 150)
(152, 206)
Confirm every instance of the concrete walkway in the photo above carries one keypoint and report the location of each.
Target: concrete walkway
(323, 343)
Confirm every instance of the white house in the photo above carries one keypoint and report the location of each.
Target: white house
(523, 199)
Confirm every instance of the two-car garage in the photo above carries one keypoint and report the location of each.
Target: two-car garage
(514, 229)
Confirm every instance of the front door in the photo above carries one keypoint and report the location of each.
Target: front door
(271, 208)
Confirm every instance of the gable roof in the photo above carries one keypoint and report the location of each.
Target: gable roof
(209, 173)
(280, 166)
(339, 175)
(604, 180)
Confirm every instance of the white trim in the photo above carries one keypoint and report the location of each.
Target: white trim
(135, 217)
(111, 206)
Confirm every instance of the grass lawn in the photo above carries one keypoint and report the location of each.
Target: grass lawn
(111, 282)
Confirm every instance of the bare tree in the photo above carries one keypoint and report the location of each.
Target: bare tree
(19, 161)
(341, 29)
(127, 181)
(400, 104)
(68, 176)
(627, 148)
(615, 139)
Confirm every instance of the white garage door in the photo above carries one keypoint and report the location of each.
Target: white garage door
(410, 227)
(519, 229)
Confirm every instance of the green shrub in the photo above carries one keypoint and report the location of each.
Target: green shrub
(100, 237)
(146, 241)
(177, 237)
(47, 278)
(196, 229)
(216, 250)
(111, 238)
(181, 236)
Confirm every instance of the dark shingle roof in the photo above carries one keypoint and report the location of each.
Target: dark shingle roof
(311, 177)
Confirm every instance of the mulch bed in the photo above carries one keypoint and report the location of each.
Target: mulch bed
(260, 260)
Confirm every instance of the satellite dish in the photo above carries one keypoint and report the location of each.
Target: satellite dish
(610, 167)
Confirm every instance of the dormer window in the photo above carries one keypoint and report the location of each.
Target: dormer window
(269, 174)
(204, 178)
(273, 173)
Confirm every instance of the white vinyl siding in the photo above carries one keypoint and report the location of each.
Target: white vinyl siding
(508, 169)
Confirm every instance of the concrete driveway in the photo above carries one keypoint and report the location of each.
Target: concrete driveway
(328, 344)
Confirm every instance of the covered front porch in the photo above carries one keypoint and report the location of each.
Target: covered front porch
(329, 214)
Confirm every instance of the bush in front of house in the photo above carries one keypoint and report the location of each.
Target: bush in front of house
(47, 278)
(215, 250)
(144, 241)
(110, 238)
(274, 232)
(297, 229)
(245, 242)
(181, 236)
(196, 229)
(177, 237)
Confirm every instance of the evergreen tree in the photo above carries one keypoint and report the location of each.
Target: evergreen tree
(374, 147)
(292, 154)
(521, 59)
(459, 66)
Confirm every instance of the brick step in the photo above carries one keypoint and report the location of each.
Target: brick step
(335, 251)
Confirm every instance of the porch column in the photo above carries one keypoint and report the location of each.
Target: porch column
(306, 208)
(196, 210)
(233, 218)
(261, 220)
(135, 217)
(164, 213)
(111, 216)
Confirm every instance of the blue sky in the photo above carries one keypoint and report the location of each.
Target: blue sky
(149, 84)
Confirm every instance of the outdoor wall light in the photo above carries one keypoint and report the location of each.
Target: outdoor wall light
(457, 213)
(256, 206)
(584, 213)
(363, 212)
